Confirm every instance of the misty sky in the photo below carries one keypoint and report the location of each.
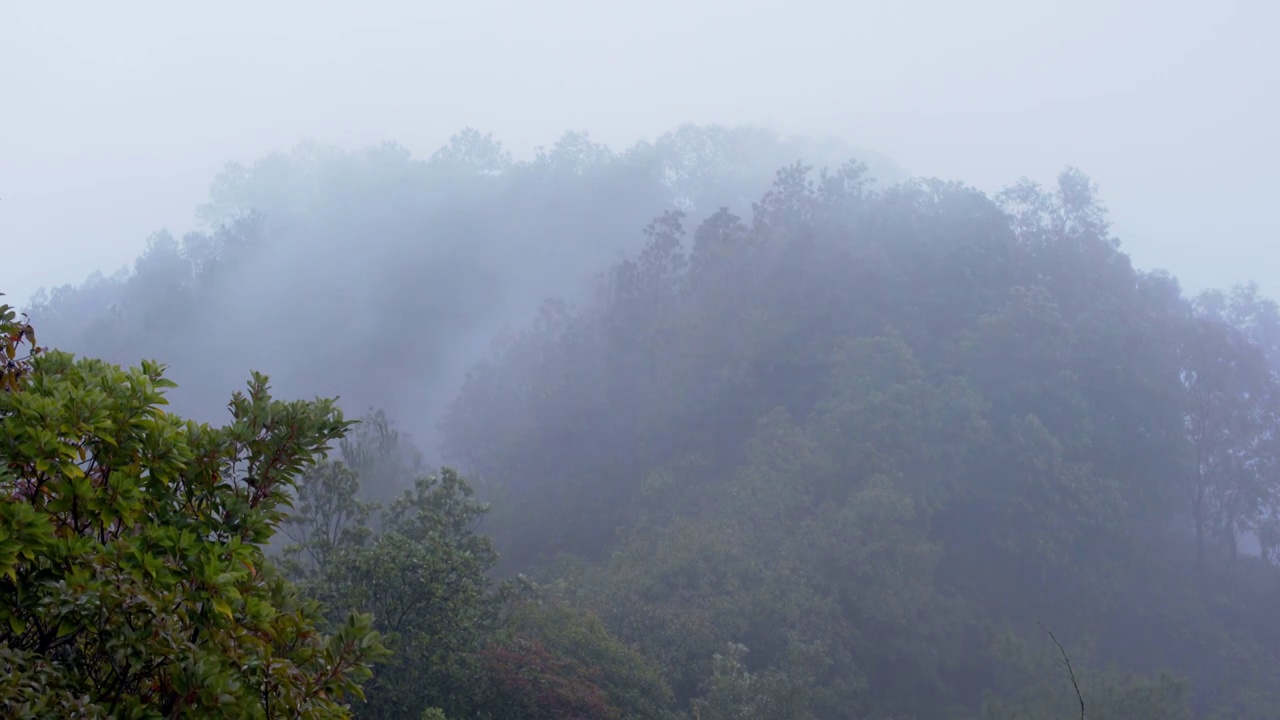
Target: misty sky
(115, 116)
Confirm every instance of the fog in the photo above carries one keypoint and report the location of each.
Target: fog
(116, 118)
(725, 361)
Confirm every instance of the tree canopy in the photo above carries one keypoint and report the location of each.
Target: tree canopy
(851, 449)
(133, 581)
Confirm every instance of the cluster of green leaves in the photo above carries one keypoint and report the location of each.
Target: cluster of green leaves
(133, 581)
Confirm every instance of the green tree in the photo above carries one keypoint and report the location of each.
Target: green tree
(1230, 419)
(733, 692)
(327, 516)
(133, 581)
(424, 578)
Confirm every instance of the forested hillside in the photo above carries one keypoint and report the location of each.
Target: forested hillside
(381, 277)
(890, 433)
(700, 431)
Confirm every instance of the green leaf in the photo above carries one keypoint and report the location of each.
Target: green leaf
(223, 607)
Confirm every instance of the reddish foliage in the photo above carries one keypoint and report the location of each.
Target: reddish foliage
(528, 681)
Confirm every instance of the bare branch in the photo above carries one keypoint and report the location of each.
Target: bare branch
(1067, 661)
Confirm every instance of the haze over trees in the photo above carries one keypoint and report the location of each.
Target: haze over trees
(418, 261)
(698, 431)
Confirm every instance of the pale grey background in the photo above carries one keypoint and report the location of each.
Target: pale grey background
(114, 117)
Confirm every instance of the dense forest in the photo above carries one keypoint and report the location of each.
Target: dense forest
(722, 426)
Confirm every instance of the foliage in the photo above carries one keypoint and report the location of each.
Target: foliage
(630, 681)
(889, 423)
(1046, 686)
(876, 434)
(423, 576)
(735, 693)
(327, 517)
(131, 551)
(17, 366)
(527, 681)
(462, 644)
(412, 263)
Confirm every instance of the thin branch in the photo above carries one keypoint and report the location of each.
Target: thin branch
(1067, 660)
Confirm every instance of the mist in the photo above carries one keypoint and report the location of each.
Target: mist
(726, 360)
(118, 120)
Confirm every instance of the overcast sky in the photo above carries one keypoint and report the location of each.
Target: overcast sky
(114, 117)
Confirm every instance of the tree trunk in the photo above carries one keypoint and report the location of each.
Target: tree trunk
(1233, 543)
(1197, 510)
(1197, 507)
(1199, 543)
